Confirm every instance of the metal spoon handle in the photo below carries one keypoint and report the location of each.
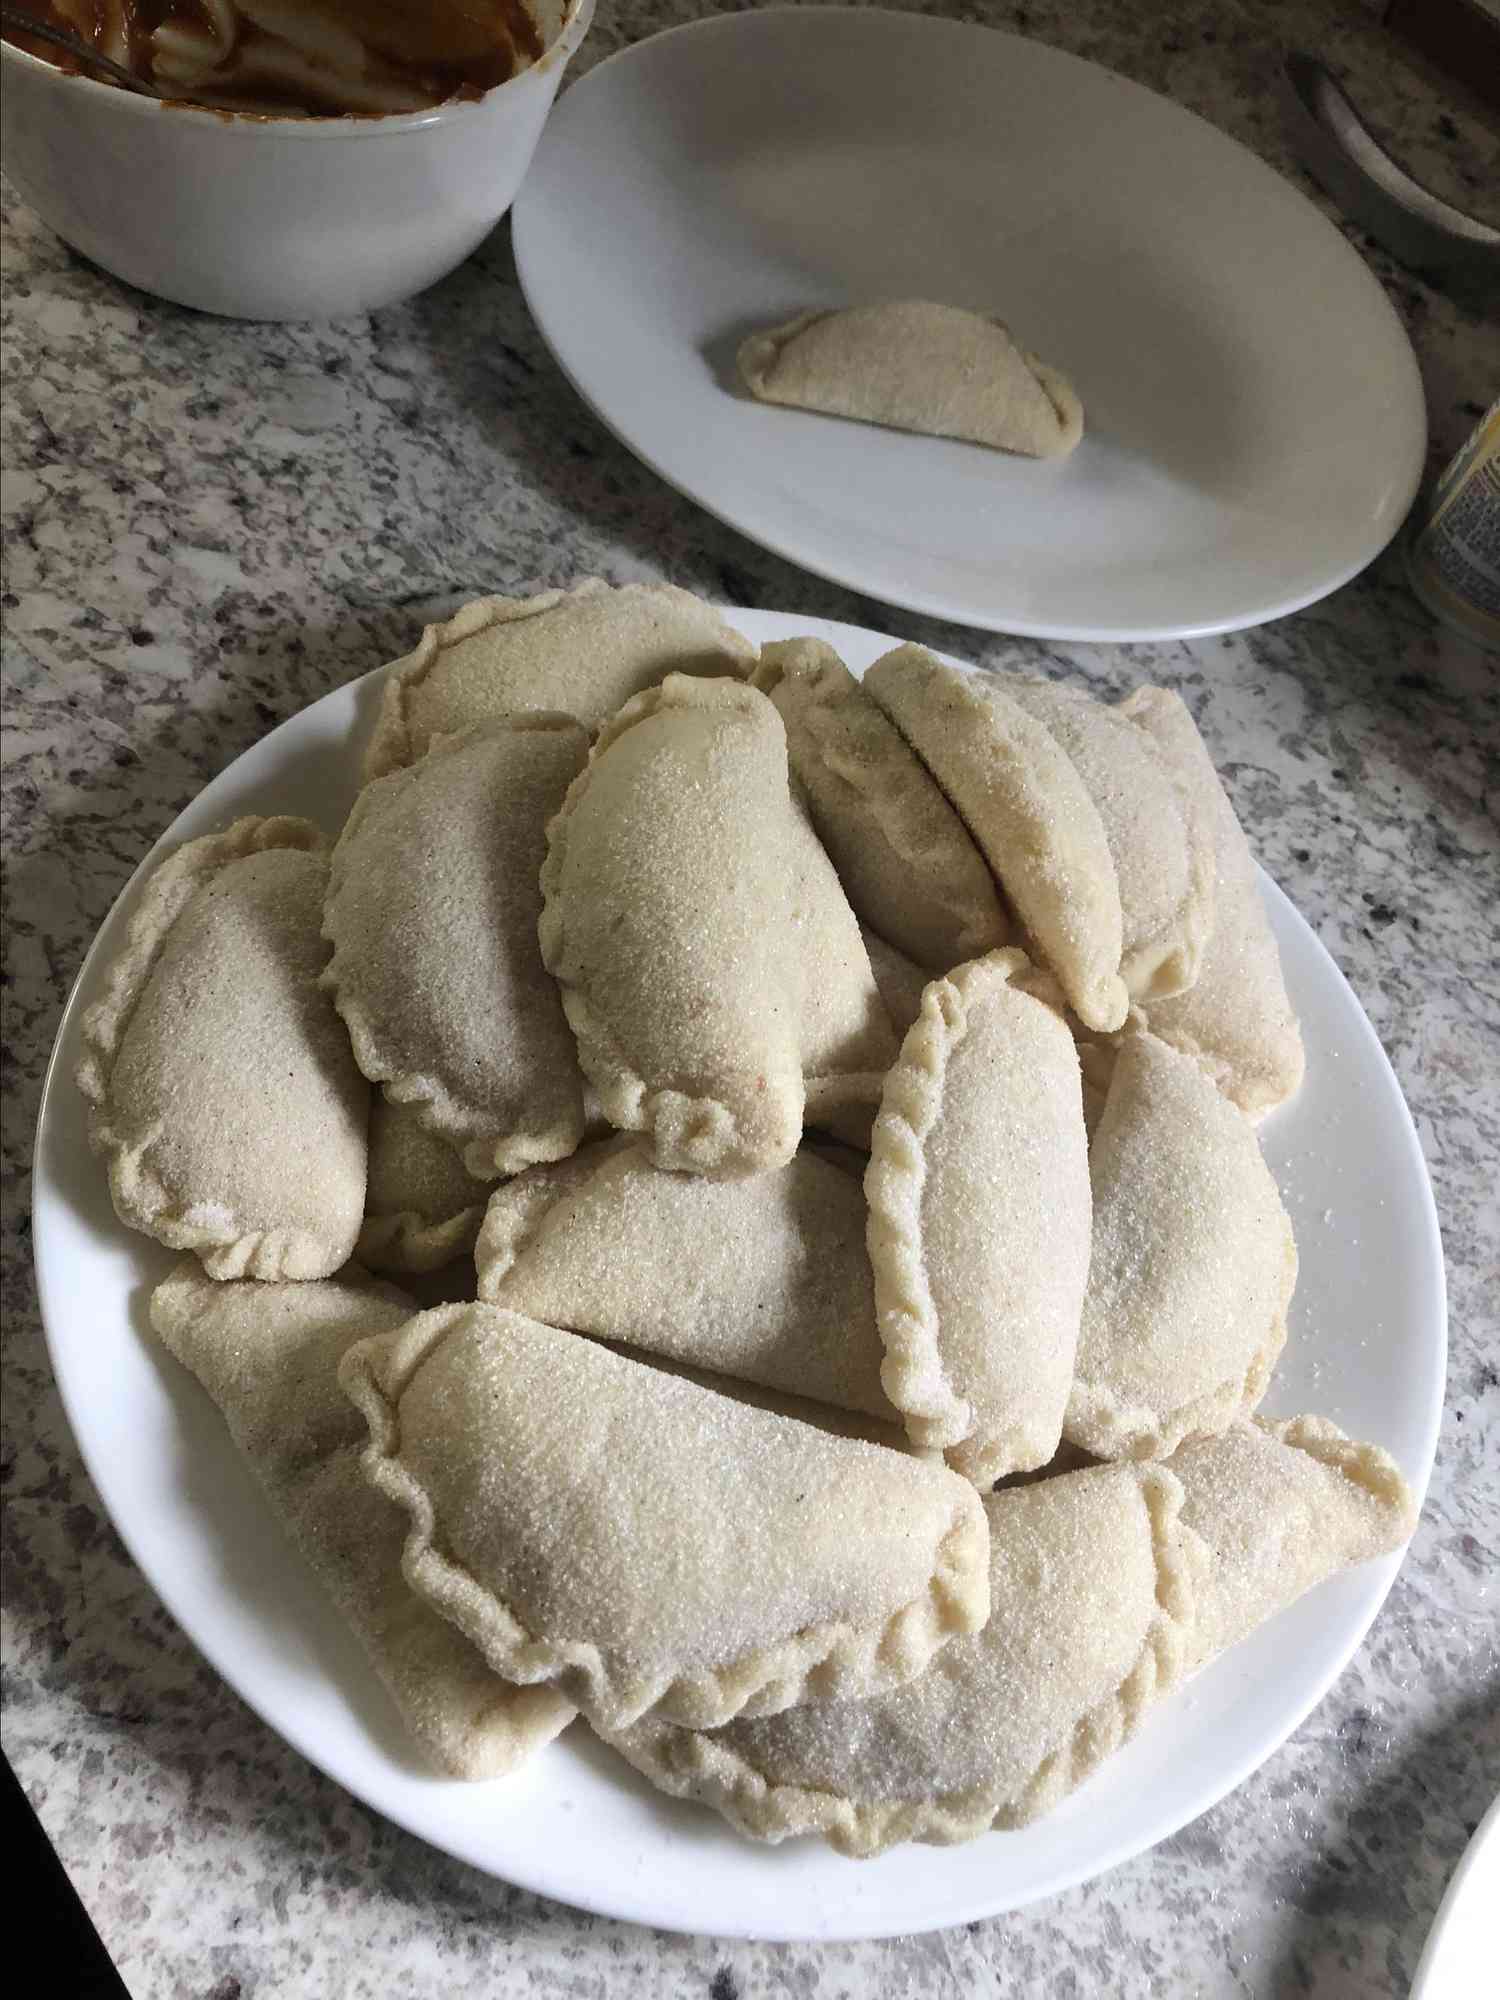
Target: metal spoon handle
(22, 23)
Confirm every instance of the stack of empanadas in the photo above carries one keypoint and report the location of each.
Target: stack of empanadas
(829, 1104)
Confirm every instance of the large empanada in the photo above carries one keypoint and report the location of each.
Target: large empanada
(1193, 1263)
(978, 1188)
(423, 1207)
(220, 1082)
(647, 1545)
(904, 857)
(579, 652)
(766, 1279)
(1160, 834)
(432, 911)
(706, 955)
(916, 366)
(1091, 1596)
(1237, 1020)
(1280, 1506)
(268, 1355)
(1017, 791)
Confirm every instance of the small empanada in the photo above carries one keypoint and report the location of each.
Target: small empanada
(220, 1083)
(647, 1545)
(1236, 1020)
(580, 652)
(268, 1355)
(1091, 1596)
(1280, 1506)
(1193, 1263)
(904, 857)
(915, 366)
(706, 955)
(765, 1279)
(1017, 791)
(423, 1207)
(1160, 834)
(432, 911)
(978, 1188)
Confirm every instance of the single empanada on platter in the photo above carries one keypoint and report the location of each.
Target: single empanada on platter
(1236, 1020)
(710, 967)
(432, 912)
(268, 1355)
(220, 1083)
(580, 652)
(904, 857)
(916, 366)
(978, 1187)
(1160, 834)
(1091, 1595)
(1019, 794)
(766, 1279)
(647, 1545)
(423, 1207)
(1193, 1262)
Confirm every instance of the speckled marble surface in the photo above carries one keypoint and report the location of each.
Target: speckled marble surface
(210, 524)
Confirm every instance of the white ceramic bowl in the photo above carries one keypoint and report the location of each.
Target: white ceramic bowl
(275, 218)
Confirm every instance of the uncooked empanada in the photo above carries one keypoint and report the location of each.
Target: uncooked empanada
(1280, 1507)
(706, 956)
(647, 1545)
(900, 981)
(766, 1279)
(579, 652)
(978, 1188)
(1237, 1020)
(1160, 834)
(904, 857)
(920, 367)
(432, 912)
(423, 1207)
(1091, 1596)
(1193, 1262)
(268, 1355)
(220, 1082)
(1017, 791)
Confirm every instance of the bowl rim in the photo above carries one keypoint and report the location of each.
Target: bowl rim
(577, 16)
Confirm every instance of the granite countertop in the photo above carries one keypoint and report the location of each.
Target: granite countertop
(209, 525)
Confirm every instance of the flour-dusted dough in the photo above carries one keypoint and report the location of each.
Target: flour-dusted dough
(900, 981)
(706, 955)
(978, 1188)
(1019, 794)
(579, 652)
(765, 1279)
(920, 367)
(1193, 1263)
(432, 912)
(905, 858)
(650, 1546)
(1237, 1020)
(423, 1207)
(1280, 1507)
(220, 1083)
(1091, 1594)
(1160, 833)
(268, 1355)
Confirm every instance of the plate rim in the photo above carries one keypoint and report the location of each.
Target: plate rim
(921, 602)
(631, 1904)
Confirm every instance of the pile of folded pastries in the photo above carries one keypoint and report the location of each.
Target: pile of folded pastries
(826, 1111)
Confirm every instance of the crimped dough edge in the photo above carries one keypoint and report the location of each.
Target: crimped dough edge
(688, 1134)
(827, 1662)
(1368, 1466)
(691, 1765)
(142, 1199)
(404, 1239)
(485, 1153)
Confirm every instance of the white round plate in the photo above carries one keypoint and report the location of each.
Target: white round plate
(1459, 1960)
(1256, 424)
(1367, 1348)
